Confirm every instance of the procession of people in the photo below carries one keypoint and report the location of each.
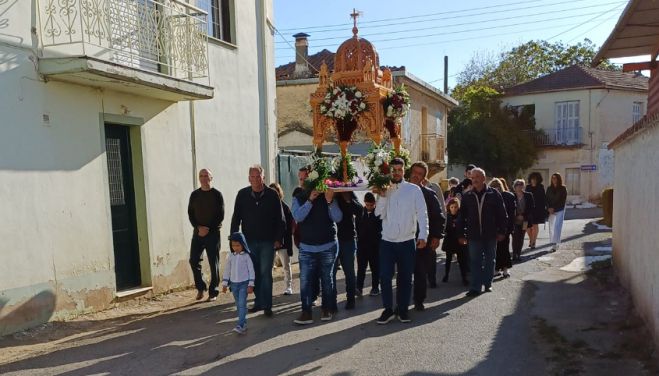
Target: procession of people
(395, 232)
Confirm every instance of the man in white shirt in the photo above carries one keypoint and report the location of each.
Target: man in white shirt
(401, 207)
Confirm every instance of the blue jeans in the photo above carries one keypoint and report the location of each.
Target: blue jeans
(239, 291)
(263, 257)
(482, 254)
(314, 265)
(346, 257)
(402, 256)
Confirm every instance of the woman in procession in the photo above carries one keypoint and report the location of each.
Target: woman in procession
(556, 197)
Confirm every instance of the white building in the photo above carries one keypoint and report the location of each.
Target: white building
(107, 110)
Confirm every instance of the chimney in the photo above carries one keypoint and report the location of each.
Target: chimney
(301, 54)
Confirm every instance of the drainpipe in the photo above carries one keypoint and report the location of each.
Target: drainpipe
(263, 89)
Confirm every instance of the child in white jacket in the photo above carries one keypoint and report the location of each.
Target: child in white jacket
(239, 276)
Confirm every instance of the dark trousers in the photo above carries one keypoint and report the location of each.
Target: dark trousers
(503, 254)
(263, 257)
(346, 258)
(463, 262)
(432, 268)
(210, 243)
(399, 256)
(368, 255)
(422, 265)
(518, 241)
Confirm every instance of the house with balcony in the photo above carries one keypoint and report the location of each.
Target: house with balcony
(108, 109)
(580, 111)
(423, 129)
(636, 183)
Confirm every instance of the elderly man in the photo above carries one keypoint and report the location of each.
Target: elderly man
(259, 214)
(482, 223)
(402, 208)
(206, 213)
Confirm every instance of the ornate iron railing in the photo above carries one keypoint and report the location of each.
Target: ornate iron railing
(164, 36)
(570, 136)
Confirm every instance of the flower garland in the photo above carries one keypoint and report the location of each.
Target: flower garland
(343, 103)
(377, 160)
(320, 171)
(397, 103)
(337, 167)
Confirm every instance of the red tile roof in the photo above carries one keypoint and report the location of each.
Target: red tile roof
(578, 77)
(285, 72)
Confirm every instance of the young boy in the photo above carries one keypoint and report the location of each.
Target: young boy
(369, 233)
(239, 275)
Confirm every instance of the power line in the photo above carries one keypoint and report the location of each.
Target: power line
(411, 17)
(544, 5)
(468, 38)
(585, 22)
(618, 3)
(465, 31)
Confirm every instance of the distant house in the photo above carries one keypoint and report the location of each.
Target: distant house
(580, 109)
(636, 187)
(423, 130)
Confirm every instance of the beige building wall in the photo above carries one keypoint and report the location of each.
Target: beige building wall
(603, 114)
(55, 218)
(635, 235)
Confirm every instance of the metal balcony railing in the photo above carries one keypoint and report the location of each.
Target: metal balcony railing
(559, 137)
(164, 36)
(432, 148)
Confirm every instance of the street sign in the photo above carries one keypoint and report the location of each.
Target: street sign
(589, 167)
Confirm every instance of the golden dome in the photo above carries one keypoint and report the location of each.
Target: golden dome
(354, 54)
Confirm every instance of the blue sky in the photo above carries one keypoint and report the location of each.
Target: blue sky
(417, 34)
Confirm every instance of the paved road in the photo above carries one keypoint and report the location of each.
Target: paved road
(500, 333)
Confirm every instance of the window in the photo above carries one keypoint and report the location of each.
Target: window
(407, 128)
(219, 19)
(637, 112)
(439, 117)
(567, 131)
(573, 181)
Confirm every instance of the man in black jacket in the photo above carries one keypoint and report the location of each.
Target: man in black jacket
(259, 215)
(351, 209)
(483, 222)
(436, 220)
(206, 213)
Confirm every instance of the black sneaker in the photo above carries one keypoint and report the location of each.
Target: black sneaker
(473, 294)
(386, 316)
(404, 316)
(268, 312)
(419, 307)
(433, 285)
(254, 309)
(445, 279)
(350, 304)
(374, 292)
(488, 289)
(359, 292)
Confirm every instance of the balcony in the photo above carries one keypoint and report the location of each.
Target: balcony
(153, 48)
(563, 137)
(432, 152)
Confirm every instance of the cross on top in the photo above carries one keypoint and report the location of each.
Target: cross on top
(354, 16)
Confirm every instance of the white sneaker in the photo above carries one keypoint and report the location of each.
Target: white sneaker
(240, 329)
(288, 291)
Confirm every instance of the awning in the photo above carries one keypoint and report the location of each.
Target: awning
(635, 34)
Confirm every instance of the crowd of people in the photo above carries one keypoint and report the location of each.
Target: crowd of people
(396, 231)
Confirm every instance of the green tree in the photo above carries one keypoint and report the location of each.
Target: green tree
(523, 63)
(499, 139)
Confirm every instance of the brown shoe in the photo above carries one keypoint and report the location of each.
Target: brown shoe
(200, 295)
(305, 318)
(326, 315)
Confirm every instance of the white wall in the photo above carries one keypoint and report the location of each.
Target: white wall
(55, 218)
(635, 235)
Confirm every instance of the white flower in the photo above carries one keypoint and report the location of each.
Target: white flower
(323, 108)
(336, 90)
(358, 94)
(313, 175)
(378, 162)
(362, 105)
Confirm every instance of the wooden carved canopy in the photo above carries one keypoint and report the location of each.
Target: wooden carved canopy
(356, 63)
